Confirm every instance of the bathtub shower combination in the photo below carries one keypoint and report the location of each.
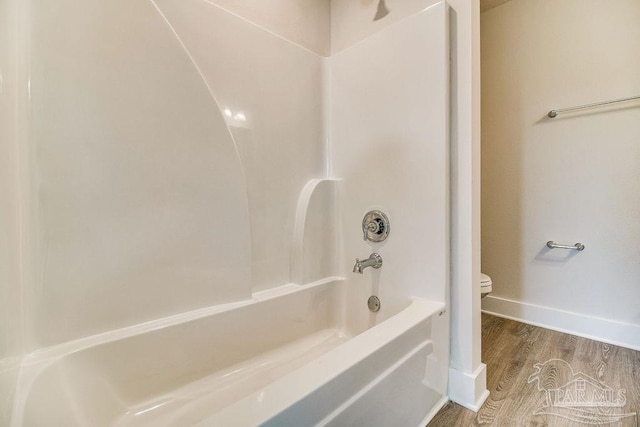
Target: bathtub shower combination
(233, 225)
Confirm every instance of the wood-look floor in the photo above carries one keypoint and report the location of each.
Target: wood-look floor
(520, 396)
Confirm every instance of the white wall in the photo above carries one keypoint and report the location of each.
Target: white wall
(168, 147)
(304, 22)
(352, 21)
(278, 86)
(389, 139)
(572, 179)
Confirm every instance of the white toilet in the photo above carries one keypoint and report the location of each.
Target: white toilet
(485, 285)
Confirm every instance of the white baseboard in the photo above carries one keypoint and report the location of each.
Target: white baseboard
(595, 328)
(469, 390)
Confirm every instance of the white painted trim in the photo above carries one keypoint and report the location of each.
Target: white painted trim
(467, 375)
(595, 328)
(469, 390)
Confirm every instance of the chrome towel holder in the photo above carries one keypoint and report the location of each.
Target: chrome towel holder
(554, 113)
(553, 245)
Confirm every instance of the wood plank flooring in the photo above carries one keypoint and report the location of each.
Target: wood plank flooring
(582, 383)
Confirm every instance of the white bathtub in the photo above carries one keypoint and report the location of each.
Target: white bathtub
(288, 357)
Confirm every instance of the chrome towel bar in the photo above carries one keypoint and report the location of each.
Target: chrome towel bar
(554, 113)
(553, 245)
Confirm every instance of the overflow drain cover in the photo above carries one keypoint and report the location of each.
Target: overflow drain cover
(374, 303)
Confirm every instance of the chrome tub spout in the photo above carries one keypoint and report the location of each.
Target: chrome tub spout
(374, 260)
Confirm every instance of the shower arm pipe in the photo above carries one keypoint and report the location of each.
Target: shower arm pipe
(553, 245)
(554, 113)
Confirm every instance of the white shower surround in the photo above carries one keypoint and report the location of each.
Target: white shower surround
(426, 275)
